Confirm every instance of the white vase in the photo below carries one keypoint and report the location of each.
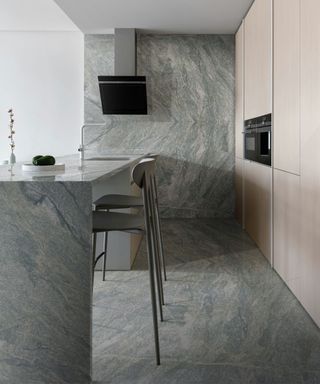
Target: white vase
(13, 158)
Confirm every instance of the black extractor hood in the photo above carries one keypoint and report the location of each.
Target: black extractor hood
(125, 93)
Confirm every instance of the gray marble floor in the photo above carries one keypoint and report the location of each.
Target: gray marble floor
(228, 317)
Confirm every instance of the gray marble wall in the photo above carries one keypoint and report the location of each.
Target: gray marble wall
(45, 282)
(190, 123)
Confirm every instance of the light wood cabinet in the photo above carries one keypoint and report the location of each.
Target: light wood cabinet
(286, 112)
(239, 119)
(310, 156)
(239, 191)
(286, 229)
(296, 136)
(239, 113)
(258, 59)
(257, 203)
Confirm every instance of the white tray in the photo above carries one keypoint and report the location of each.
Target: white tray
(29, 167)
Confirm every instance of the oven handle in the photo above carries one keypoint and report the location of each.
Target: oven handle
(269, 140)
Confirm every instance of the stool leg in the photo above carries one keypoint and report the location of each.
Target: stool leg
(157, 246)
(159, 234)
(158, 274)
(152, 281)
(158, 269)
(105, 256)
(94, 245)
(158, 228)
(155, 242)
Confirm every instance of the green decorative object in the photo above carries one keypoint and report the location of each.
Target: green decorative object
(36, 158)
(43, 160)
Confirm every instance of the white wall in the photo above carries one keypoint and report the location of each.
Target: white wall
(34, 15)
(41, 77)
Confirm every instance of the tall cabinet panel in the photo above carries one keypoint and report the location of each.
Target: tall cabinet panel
(258, 59)
(239, 91)
(239, 209)
(239, 124)
(310, 155)
(292, 185)
(286, 116)
(286, 235)
(257, 201)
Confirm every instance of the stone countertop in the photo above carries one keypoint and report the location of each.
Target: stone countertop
(86, 171)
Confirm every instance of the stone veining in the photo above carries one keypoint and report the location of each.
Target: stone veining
(190, 122)
(229, 318)
(45, 285)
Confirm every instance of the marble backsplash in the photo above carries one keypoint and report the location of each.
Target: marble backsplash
(190, 84)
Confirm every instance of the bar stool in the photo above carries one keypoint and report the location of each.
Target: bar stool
(118, 201)
(103, 221)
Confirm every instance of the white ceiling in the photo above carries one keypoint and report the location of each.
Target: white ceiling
(33, 15)
(164, 16)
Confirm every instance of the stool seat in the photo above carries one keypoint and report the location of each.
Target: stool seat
(113, 221)
(118, 202)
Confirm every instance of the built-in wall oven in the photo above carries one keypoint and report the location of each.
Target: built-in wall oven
(257, 139)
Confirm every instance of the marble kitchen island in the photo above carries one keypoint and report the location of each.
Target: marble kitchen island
(45, 268)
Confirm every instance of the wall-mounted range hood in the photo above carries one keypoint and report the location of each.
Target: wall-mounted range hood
(124, 93)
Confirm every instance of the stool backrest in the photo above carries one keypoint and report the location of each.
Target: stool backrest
(143, 173)
(143, 176)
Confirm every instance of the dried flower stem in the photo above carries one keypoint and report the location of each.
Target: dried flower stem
(12, 131)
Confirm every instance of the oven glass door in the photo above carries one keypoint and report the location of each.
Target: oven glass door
(250, 145)
(264, 146)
